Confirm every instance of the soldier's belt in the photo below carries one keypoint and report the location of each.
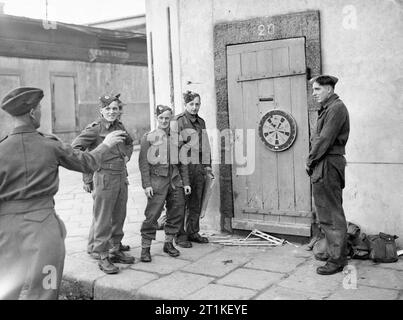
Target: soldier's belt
(113, 166)
(26, 205)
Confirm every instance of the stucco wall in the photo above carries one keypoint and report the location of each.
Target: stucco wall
(93, 79)
(193, 66)
(362, 44)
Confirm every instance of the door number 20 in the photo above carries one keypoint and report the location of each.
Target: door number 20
(264, 29)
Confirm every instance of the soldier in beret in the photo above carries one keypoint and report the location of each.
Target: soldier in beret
(88, 186)
(192, 130)
(32, 236)
(326, 165)
(165, 182)
(110, 187)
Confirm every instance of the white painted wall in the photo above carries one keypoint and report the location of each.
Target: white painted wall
(362, 44)
(192, 49)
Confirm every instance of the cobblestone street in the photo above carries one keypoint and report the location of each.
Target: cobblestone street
(209, 271)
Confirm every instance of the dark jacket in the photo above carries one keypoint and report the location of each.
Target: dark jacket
(29, 162)
(94, 134)
(155, 160)
(331, 133)
(186, 125)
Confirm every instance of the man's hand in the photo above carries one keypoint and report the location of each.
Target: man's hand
(126, 159)
(149, 192)
(88, 187)
(115, 137)
(188, 190)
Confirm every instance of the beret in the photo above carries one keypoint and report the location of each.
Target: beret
(21, 100)
(329, 78)
(161, 109)
(107, 99)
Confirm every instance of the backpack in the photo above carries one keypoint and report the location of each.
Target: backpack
(382, 247)
(357, 244)
(359, 247)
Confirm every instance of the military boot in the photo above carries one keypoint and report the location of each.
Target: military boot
(123, 247)
(329, 268)
(183, 243)
(120, 257)
(197, 238)
(107, 266)
(145, 254)
(170, 249)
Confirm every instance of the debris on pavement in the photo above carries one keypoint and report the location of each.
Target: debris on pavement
(260, 239)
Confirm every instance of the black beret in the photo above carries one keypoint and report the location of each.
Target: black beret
(107, 99)
(21, 100)
(325, 78)
(161, 109)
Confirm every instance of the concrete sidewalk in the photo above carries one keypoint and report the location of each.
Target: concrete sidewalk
(206, 271)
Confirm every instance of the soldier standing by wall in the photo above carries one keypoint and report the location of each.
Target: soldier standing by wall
(192, 128)
(88, 186)
(110, 187)
(31, 234)
(326, 166)
(165, 182)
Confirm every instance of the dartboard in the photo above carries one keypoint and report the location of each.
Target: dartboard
(278, 130)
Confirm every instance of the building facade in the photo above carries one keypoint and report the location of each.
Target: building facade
(249, 57)
(74, 65)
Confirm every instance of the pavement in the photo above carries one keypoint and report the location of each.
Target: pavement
(207, 271)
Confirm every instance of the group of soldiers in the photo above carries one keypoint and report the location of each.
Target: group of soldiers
(167, 183)
(33, 239)
(174, 162)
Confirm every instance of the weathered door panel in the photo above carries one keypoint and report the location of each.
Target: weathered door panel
(264, 76)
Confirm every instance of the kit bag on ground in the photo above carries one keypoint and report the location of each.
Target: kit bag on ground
(382, 247)
(357, 244)
(359, 247)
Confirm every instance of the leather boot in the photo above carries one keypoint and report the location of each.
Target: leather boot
(170, 249)
(198, 238)
(145, 254)
(183, 243)
(107, 266)
(120, 257)
(329, 268)
(123, 247)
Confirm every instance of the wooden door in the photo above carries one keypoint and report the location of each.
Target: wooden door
(64, 105)
(263, 76)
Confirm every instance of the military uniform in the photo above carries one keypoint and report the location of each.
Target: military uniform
(167, 178)
(327, 164)
(110, 187)
(199, 154)
(31, 234)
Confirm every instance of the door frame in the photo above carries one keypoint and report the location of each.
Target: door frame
(303, 24)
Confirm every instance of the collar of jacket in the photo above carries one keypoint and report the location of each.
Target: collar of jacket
(191, 117)
(24, 129)
(329, 101)
(108, 124)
